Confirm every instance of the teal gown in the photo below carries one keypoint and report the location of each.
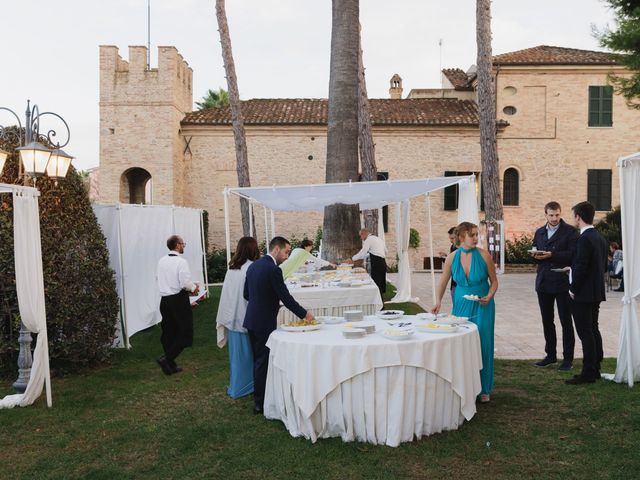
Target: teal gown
(482, 315)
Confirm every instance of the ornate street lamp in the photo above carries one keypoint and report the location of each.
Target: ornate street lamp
(35, 160)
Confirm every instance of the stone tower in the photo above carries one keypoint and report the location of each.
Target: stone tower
(141, 150)
(395, 89)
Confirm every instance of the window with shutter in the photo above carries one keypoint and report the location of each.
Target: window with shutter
(511, 187)
(599, 189)
(600, 106)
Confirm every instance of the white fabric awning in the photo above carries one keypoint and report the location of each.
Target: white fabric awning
(370, 195)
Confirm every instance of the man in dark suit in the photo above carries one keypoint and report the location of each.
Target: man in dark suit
(555, 243)
(264, 288)
(587, 291)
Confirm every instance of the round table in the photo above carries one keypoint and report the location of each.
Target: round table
(372, 389)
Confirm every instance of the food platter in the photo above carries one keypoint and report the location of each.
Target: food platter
(397, 334)
(301, 328)
(471, 298)
(329, 320)
(435, 328)
(389, 314)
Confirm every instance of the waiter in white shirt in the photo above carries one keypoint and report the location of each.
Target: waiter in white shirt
(175, 285)
(374, 247)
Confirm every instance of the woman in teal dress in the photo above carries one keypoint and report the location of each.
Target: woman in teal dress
(475, 274)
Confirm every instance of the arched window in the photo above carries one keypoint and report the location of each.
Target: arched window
(135, 186)
(511, 187)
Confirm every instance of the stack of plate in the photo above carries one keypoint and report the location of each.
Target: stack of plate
(353, 315)
(350, 332)
(344, 284)
(368, 327)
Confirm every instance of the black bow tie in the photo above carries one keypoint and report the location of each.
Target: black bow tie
(173, 254)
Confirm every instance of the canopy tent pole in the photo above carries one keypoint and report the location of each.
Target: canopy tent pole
(251, 219)
(123, 310)
(227, 231)
(433, 275)
(273, 224)
(266, 229)
(204, 251)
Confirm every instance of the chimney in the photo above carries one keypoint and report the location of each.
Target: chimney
(395, 91)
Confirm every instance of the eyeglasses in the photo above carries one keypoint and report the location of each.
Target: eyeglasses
(184, 244)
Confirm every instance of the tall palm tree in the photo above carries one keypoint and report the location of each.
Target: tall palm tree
(214, 98)
(365, 137)
(342, 222)
(242, 161)
(487, 111)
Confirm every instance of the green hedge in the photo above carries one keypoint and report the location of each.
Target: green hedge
(516, 250)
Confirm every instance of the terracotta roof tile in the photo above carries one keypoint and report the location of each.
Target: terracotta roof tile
(294, 111)
(458, 78)
(546, 55)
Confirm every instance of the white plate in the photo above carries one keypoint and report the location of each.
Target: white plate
(426, 316)
(471, 298)
(327, 320)
(440, 329)
(389, 314)
(401, 335)
(350, 332)
(303, 328)
(450, 320)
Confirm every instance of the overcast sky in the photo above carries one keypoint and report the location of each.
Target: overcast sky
(280, 47)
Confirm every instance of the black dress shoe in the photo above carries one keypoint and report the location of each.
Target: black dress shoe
(545, 362)
(565, 366)
(257, 410)
(579, 380)
(164, 365)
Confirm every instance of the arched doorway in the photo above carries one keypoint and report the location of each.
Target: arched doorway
(136, 186)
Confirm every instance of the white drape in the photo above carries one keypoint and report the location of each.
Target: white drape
(628, 366)
(403, 285)
(30, 291)
(187, 225)
(468, 202)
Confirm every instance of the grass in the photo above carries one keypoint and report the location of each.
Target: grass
(128, 420)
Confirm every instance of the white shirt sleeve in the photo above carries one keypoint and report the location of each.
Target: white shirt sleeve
(364, 251)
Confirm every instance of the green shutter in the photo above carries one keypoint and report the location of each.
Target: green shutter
(600, 106)
(599, 189)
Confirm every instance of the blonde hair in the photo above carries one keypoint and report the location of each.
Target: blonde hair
(462, 229)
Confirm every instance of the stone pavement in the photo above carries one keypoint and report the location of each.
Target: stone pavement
(518, 328)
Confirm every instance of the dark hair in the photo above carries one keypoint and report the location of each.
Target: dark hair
(451, 231)
(247, 249)
(278, 242)
(552, 206)
(585, 211)
(172, 242)
(306, 243)
(614, 245)
(464, 228)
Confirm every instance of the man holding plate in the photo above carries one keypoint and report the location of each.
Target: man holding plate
(553, 249)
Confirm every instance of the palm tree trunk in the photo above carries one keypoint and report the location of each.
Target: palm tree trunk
(367, 147)
(487, 111)
(242, 161)
(342, 222)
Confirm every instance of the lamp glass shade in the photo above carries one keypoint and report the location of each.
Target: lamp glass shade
(34, 157)
(59, 163)
(3, 158)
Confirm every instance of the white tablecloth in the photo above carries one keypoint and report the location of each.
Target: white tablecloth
(382, 391)
(333, 300)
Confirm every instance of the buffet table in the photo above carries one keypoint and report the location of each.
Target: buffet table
(372, 389)
(333, 300)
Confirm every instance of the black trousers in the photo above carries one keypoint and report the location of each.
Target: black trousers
(260, 364)
(546, 301)
(585, 316)
(177, 324)
(379, 272)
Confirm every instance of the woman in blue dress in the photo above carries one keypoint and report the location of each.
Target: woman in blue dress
(474, 272)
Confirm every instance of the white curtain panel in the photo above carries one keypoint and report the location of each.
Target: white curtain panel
(628, 366)
(187, 224)
(144, 232)
(30, 290)
(403, 286)
(107, 216)
(468, 202)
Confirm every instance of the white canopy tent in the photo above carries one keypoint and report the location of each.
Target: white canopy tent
(628, 365)
(30, 290)
(368, 195)
(136, 239)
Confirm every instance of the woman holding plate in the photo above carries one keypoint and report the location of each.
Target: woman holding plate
(474, 272)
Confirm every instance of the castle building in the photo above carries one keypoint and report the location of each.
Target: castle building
(560, 132)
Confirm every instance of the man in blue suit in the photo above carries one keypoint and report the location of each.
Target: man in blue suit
(264, 288)
(587, 291)
(556, 244)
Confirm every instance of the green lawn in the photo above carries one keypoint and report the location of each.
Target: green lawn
(128, 420)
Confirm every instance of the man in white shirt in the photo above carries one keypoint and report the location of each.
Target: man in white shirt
(175, 285)
(374, 247)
